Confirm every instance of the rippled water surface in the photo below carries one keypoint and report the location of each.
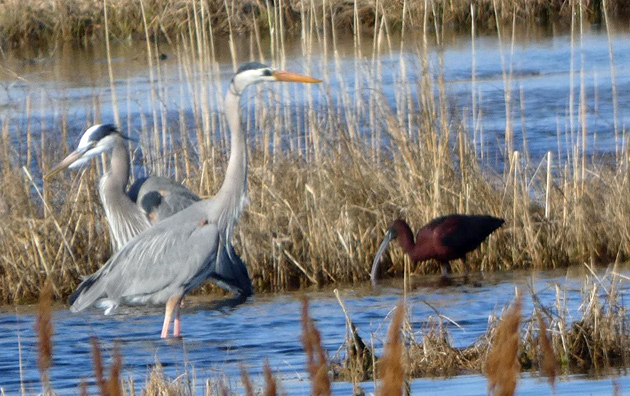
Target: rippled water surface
(216, 342)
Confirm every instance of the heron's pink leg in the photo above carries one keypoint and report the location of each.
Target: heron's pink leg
(171, 304)
(167, 323)
(177, 325)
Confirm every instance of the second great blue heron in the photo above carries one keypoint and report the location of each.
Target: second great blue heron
(125, 214)
(168, 260)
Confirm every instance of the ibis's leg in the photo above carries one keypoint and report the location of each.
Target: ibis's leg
(466, 269)
(444, 279)
(171, 304)
(444, 266)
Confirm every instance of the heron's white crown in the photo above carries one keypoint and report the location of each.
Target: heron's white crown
(248, 77)
(91, 146)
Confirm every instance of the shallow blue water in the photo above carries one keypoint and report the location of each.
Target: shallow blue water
(215, 343)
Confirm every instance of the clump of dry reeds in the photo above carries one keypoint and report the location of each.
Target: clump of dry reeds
(390, 365)
(316, 361)
(502, 366)
(434, 355)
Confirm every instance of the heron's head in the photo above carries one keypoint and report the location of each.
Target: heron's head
(94, 141)
(150, 203)
(254, 73)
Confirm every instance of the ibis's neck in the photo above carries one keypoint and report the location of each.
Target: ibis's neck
(232, 196)
(405, 236)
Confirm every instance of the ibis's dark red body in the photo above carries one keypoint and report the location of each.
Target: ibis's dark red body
(445, 238)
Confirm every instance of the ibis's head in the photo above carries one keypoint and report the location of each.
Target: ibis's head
(391, 234)
(254, 73)
(94, 141)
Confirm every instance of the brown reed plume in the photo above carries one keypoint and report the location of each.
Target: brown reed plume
(315, 354)
(111, 386)
(548, 365)
(271, 388)
(247, 383)
(390, 365)
(98, 365)
(44, 330)
(502, 366)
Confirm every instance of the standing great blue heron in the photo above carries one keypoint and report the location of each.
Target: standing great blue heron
(148, 199)
(168, 260)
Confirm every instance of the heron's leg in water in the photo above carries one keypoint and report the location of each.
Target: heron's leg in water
(171, 305)
(177, 324)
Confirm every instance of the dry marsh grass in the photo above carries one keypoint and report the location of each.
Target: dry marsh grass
(326, 178)
(82, 21)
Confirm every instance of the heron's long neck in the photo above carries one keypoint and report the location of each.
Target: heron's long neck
(232, 196)
(117, 176)
(125, 218)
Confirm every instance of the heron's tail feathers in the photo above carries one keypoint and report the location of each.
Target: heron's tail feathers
(88, 292)
(231, 273)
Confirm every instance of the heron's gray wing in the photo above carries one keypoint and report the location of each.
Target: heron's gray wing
(231, 272)
(168, 259)
(173, 197)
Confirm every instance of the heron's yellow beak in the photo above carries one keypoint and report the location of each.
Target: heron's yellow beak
(294, 77)
(66, 162)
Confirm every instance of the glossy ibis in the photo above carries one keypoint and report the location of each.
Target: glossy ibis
(444, 239)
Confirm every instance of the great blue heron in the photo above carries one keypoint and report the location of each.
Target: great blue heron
(177, 254)
(148, 200)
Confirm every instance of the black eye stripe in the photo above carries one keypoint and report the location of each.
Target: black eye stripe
(267, 73)
(102, 132)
